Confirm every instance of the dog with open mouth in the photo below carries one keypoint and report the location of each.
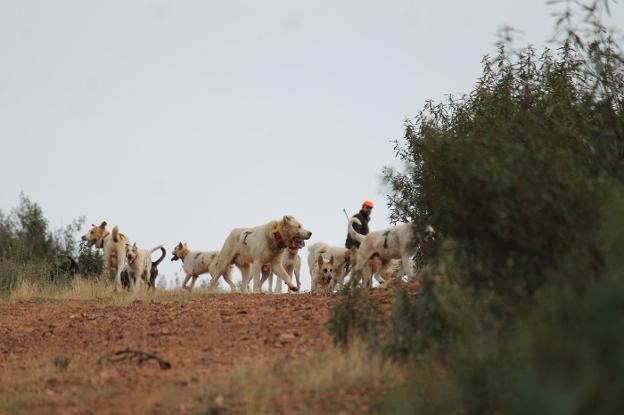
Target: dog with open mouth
(151, 285)
(114, 246)
(195, 263)
(261, 245)
(139, 265)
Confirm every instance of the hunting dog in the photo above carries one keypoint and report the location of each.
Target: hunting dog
(195, 263)
(323, 275)
(342, 261)
(292, 264)
(151, 285)
(139, 265)
(264, 244)
(114, 246)
(399, 242)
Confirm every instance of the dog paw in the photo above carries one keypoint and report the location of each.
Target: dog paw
(293, 288)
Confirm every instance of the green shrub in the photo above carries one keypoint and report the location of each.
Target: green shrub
(355, 315)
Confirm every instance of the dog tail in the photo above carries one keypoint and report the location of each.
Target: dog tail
(163, 251)
(116, 233)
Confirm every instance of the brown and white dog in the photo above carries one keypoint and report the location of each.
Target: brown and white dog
(292, 264)
(139, 265)
(114, 246)
(342, 261)
(264, 244)
(195, 263)
(323, 275)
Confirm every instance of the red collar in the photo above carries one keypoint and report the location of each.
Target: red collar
(278, 237)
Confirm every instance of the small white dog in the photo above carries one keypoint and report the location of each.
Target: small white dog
(139, 265)
(398, 242)
(342, 261)
(292, 264)
(195, 263)
(264, 244)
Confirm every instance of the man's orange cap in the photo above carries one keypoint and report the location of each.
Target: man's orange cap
(367, 203)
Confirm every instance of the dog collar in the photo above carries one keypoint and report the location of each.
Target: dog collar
(101, 244)
(278, 237)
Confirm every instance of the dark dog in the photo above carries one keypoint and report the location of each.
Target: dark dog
(125, 278)
(65, 265)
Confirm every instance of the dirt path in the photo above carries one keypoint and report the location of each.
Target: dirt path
(200, 338)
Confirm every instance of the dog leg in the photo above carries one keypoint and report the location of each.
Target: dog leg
(120, 258)
(228, 279)
(279, 270)
(246, 274)
(193, 282)
(186, 279)
(278, 285)
(256, 272)
(267, 274)
(406, 266)
(297, 271)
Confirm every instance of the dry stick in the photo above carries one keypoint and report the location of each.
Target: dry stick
(141, 356)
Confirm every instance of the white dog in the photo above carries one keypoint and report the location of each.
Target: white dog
(342, 261)
(292, 264)
(195, 263)
(114, 246)
(264, 244)
(399, 242)
(139, 265)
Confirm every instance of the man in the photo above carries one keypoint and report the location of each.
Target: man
(358, 226)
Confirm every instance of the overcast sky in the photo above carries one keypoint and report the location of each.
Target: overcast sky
(180, 120)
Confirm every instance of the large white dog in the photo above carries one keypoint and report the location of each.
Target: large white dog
(342, 260)
(399, 242)
(114, 246)
(264, 244)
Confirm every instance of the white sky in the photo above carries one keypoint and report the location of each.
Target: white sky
(180, 120)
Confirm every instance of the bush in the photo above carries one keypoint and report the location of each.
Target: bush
(29, 250)
(523, 179)
(355, 315)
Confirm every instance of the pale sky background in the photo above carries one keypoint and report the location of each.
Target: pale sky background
(180, 120)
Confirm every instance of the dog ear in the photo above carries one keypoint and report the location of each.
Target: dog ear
(103, 224)
(331, 260)
(320, 260)
(185, 244)
(287, 218)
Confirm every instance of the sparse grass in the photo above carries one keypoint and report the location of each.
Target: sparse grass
(99, 289)
(318, 381)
